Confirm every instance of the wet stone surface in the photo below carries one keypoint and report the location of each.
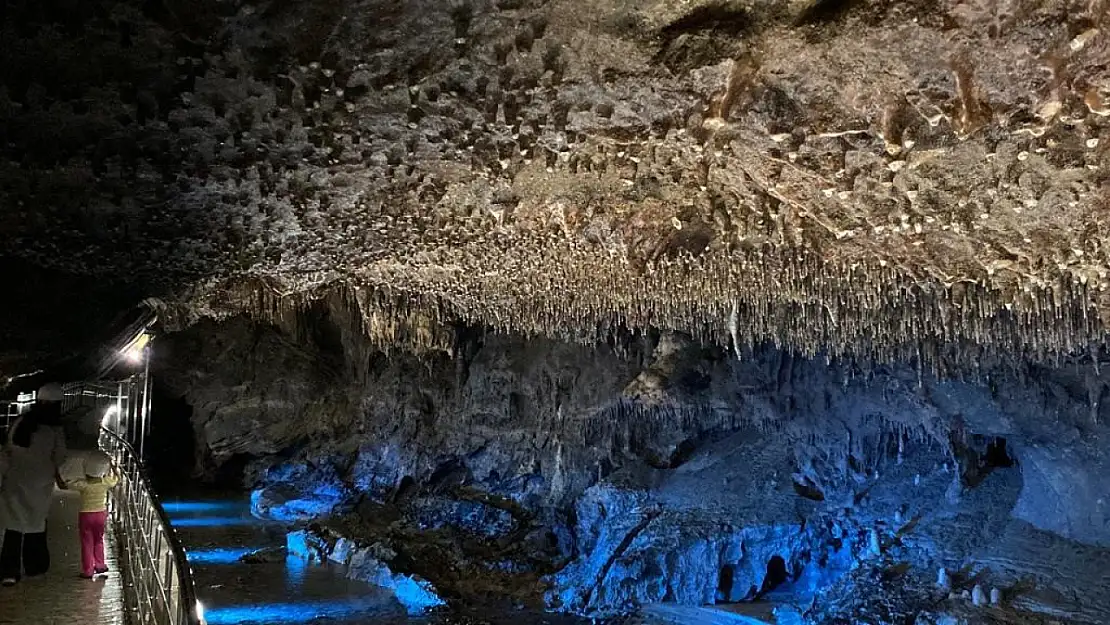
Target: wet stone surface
(61, 597)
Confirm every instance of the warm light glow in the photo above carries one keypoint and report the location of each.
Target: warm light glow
(136, 349)
(112, 411)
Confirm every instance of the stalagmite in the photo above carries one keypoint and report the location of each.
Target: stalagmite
(873, 546)
(996, 597)
(943, 582)
(977, 596)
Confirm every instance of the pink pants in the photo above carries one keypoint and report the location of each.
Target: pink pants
(91, 527)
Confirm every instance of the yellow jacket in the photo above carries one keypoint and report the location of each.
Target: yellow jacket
(94, 492)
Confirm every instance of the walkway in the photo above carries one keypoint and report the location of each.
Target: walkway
(61, 597)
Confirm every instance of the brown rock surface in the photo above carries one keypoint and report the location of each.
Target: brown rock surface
(870, 178)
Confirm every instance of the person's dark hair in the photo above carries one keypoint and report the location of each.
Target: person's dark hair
(47, 413)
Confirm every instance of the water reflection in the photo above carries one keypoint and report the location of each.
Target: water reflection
(177, 507)
(227, 555)
(212, 521)
(275, 613)
(296, 569)
(218, 533)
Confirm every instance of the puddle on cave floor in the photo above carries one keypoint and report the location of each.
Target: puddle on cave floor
(217, 531)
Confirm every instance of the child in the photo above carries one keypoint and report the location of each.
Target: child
(94, 512)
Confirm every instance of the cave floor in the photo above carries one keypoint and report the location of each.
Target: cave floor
(61, 597)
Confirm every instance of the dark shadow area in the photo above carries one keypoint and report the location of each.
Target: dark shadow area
(701, 37)
(808, 490)
(725, 583)
(722, 18)
(776, 575)
(55, 321)
(231, 475)
(406, 489)
(171, 444)
(983, 455)
(998, 455)
(824, 11)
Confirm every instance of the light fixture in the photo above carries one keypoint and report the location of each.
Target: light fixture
(200, 611)
(136, 349)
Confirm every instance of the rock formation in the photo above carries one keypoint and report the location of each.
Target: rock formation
(867, 179)
(590, 306)
(594, 479)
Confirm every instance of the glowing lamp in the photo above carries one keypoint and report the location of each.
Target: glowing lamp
(135, 350)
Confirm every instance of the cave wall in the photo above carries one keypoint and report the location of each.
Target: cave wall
(650, 469)
(1055, 419)
(540, 421)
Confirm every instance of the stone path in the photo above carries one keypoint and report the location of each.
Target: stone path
(61, 597)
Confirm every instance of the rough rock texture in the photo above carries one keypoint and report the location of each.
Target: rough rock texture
(365, 564)
(665, 537)
(530, 264)
(658, 471)
(877, 179)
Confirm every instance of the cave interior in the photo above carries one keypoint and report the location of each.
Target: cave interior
(773, 312)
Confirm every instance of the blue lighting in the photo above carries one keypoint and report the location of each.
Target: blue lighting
(216, 556)
(211, 521)
(275, 613)
(295, 570)
(172, 507)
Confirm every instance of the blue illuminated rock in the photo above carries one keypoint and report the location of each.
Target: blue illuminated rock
(679, 537)
(296, 492)
(470, 516)
(367, 563)
(304, 545)
(691, 480)
(413, 592)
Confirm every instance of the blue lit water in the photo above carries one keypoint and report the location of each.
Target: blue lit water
(217, 533)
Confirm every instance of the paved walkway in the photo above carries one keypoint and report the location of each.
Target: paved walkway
(61, 597)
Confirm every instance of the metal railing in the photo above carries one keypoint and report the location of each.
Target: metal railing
(158, 580)
(14, 409)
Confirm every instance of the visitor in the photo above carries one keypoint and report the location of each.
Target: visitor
(94, 512)
(32, 458)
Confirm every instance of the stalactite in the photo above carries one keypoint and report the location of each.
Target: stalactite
(864, 313)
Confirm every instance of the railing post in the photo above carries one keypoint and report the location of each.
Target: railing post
(161, 584)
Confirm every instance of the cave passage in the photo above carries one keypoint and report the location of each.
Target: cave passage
(724, 583)
(998, 454)
(777, 575)
(578, 308)
(983, 456)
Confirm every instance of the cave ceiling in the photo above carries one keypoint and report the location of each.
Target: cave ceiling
(872, 178)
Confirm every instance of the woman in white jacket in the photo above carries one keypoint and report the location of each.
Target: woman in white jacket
(34, 452)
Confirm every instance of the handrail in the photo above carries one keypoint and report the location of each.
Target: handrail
(153, 564)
